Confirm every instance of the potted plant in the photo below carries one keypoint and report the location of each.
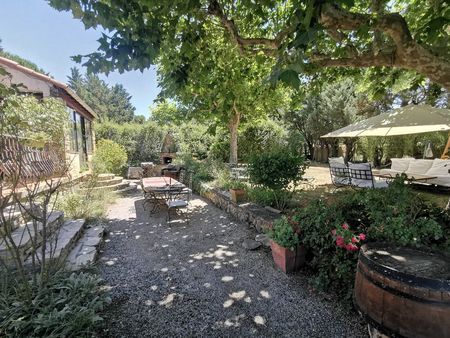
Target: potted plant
(238, 192)
(287, 251)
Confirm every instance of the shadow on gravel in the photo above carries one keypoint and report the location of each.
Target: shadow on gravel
(194, 279)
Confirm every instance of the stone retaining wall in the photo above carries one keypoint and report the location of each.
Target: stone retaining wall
(250, 213)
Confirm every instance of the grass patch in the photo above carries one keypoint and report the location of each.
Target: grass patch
(86, 204)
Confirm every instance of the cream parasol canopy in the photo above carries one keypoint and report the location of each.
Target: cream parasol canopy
(411, 119)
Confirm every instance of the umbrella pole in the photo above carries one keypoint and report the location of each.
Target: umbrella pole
(445, 153)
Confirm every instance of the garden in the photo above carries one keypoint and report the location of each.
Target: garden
(247, 90)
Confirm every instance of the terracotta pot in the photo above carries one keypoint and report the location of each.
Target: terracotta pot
(286, 259)
(238, 195)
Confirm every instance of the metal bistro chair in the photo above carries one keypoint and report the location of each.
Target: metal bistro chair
(361, 176)
(153, 197)
(340, 175)
(175, 200)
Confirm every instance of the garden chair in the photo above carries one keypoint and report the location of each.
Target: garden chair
(361, 176)
(340, 175)
(185, 177)
(153, 197)
(179, 198)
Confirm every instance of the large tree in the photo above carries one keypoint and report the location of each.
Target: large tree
(336, 106)
(305, 35)
(110, 103)
(216, 84)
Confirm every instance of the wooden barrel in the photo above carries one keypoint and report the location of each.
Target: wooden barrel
(403, 292)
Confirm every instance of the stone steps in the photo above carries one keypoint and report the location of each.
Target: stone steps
(115, 187)
(22, 236)
(113, 181)
(85, 251)
(105, 177)
(59, 246)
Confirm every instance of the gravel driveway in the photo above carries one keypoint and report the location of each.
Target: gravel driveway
(196, 280)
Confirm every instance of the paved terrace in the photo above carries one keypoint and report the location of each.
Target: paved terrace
(196, 279)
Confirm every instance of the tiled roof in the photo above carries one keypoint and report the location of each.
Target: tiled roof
(12, 64)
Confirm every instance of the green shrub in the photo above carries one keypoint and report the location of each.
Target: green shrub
(68, 306)
(142, 142)
(279, 171)
(260, 137)
(396, 214)
(109, 157)
(262, 196)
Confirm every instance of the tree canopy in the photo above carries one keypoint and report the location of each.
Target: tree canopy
(304, 36)
(110, 103)
(217, 84)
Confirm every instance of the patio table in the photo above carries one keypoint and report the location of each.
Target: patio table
(161, 184)
(159, 190)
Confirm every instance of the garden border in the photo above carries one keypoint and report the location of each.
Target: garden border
(255, 216)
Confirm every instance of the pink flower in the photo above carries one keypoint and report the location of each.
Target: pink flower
(333, 232)
(362, 237)
(345, 226)
(355, 240)
(340, 241)
(351, 247)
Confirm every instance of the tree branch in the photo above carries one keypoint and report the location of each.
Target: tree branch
(363, 60)
(270, 45)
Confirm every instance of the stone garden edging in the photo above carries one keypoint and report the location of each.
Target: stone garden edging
(255, 216)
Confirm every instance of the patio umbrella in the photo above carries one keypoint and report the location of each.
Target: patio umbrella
(411, 119)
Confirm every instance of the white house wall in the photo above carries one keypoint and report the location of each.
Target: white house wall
(31, 84)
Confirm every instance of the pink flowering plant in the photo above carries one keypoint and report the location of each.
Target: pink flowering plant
(347, 239)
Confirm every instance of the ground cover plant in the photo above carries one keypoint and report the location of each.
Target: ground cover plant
(68, 306)
(334, 229)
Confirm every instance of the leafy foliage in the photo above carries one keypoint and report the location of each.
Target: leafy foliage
(142, 142)
(277, 169)
(109, 157)
(26, 116)
(166, 113)
(284, 233)
(335, 106)
(280, 171)
(68, 307)
(396, 215)
(110, 103)
(296, 32)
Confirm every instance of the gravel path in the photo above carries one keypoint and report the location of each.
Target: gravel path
(196, 280)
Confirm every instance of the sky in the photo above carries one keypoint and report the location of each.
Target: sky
(37, 32)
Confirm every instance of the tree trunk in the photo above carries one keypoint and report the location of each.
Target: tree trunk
(233, 126)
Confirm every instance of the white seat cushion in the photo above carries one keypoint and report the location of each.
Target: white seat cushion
(439, 168)
(358, 181)
(419, 166)
(401, 164)
(335, 177)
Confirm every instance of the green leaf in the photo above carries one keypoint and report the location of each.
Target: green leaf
(290, 77)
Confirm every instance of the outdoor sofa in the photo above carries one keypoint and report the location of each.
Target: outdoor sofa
(440, 169)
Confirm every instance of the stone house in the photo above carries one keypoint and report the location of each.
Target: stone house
(80, 139)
